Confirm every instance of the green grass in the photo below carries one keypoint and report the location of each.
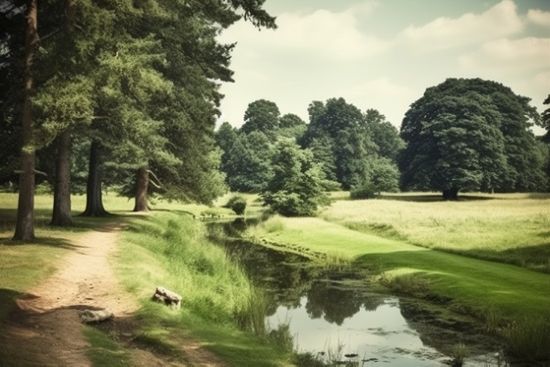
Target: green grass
(170, 250)
(510, 228)
(507, 294)
(104, 351)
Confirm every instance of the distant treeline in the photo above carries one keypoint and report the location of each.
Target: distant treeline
(462, 135)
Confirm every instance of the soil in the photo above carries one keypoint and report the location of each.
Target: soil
(45, 329)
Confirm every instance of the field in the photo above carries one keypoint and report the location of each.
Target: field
(511, 228)
(395, 241)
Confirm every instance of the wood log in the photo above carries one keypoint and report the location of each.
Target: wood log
(90, 316)
(167, 297)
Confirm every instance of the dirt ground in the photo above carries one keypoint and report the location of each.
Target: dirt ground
(46, 329)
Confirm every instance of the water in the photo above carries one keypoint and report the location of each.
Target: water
(335, 311)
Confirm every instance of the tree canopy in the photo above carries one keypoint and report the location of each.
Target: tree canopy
(470, 134)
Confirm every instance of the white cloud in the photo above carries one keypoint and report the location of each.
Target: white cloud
(444, 33)
(519, 55)
(539, 17)
(388, 97)
(322, 33)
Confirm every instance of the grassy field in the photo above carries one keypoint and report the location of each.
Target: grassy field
(511, 228)
(510, 300)
(171, 250)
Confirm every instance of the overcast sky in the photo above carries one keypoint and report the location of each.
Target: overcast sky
(383, 54)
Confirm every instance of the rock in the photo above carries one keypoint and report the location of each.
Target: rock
(89, 316)
(167, 297)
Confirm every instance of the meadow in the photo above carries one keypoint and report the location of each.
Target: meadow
(511, 228)
(398, 241)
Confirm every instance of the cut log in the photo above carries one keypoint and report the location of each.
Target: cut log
(89, 316)
(167, 297)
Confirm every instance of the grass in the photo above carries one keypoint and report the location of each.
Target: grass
(104, 351)
(170, 250)
(508, 293)
(510, 228)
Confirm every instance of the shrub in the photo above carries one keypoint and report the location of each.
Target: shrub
(365, 190)
(237, 204)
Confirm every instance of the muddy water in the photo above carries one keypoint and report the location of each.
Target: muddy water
(335, 312)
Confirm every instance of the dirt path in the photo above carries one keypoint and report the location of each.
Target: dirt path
(46, 330)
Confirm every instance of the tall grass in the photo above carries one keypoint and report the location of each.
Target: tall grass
(220, 306)
(510, 228)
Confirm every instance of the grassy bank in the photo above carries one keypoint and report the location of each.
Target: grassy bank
(170, 250)
(509, 299)
(511, 228)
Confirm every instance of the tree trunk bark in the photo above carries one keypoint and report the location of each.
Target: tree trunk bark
(94, 200)
(24, 228)
(62, 188)
(142, 185)
(450, 194)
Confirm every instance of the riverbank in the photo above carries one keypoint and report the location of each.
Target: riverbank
(144, 254)
(511, 301)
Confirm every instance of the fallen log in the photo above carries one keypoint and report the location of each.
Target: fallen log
(89, 316)
(167, 297)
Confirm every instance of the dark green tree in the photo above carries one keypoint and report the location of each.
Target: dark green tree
(469, 134)
(344, 126)
(291, 126)
(263, 116)
(248, 166)
(296, 188)
(384, 135)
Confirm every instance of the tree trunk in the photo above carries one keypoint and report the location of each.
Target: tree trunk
(62, 187)
(450, 194)
(24, 228)
(142, 185)
(94, 201)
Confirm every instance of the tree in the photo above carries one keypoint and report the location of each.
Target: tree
(545, 119)
(296, 188)
(248, 166)
(263, 116)
(24, 228)
(468, 134)
(344, 126)
(384, 135)
(291, 126)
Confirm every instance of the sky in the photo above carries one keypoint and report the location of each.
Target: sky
(383, 54)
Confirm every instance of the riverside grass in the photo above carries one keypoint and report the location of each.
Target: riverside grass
(511, 228)
(508, 294)
(171, 250)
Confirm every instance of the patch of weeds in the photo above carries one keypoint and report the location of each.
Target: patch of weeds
(281, 337)
(104, 351)
(528, 340)
(411, 284)
(459, 353)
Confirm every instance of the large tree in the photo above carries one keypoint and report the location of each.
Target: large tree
(261, 115)
(297, 185)
(342, 127)
(469, 134)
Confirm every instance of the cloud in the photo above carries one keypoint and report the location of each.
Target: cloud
(519, 55)
(539, 17)
(321, 33)
(388, 97)
(445, 33)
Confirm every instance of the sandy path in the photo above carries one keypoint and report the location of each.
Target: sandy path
(46, 330)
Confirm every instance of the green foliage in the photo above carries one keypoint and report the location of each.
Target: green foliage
(340, 139)
(296, 188)
(248, 165)
(384, 135)
(262, 116)
(237, 204)
(365, 190)
(470, 134)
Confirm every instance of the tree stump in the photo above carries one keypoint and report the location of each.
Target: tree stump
(167, 297)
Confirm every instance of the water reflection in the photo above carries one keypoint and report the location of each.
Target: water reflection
(324, 309)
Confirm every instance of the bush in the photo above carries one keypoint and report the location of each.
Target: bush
(237, 204)
(365, 190)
